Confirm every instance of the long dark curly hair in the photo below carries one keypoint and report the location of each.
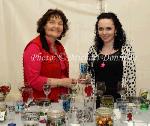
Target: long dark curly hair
(120, 37)
(43, 20)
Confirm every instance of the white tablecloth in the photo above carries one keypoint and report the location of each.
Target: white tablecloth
(137, 122)
(142, 118)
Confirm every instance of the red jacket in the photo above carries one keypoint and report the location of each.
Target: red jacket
(40, 65)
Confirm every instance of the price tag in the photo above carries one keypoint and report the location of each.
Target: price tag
(2, 115)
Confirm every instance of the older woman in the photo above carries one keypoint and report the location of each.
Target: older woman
(45, 60)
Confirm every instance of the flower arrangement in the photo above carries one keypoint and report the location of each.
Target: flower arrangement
(5, 89)
(88, 90)
(26, 92)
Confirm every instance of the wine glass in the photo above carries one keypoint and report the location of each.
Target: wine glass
(83, 117)
(100, 88)
(99, 91)
(66, 102)
(136, 101)
(46, 89)
(27, 95)
(83, 67)
(88, 109)
(122, 90)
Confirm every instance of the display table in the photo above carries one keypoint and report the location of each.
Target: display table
(141, 118)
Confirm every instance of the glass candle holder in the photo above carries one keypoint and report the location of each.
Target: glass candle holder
(104, 116)
(107, 101)
(2, 111)
(56, 118)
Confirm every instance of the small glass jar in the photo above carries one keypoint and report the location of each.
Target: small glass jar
(3, 112)
(44, 105)
(144, 96)
(74, 116)
(104, 116)
(56, 118)
(66, 102)
(2, 96)
(30, 116)
(107, 101)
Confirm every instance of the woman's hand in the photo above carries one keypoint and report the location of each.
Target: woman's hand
(68, 82)
(85, 80)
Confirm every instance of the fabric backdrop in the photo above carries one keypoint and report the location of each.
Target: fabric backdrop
(18, 26)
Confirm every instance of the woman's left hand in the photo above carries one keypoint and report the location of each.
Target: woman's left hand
(68, 82)
(74, 81)
(85, 80)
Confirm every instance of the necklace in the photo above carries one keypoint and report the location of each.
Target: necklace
(103, 64)
(106, 54)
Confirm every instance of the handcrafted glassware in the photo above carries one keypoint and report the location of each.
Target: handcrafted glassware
(66, 102)
(3, 112)
(44, 106)
(27, 96)
(122, 90)
(99, 91)
(145, 98)
(88, 90)
(122, 104)
(56, 118)
(27, 93)
(89, 109)
(11, 110)
(30, 118)
(5, 88)
(83, 67)
(104, 116)
(107, 101)
(73, 116)
(129, 113)
(140, 123)
(46, 89)
(134, 102)
(100, 88)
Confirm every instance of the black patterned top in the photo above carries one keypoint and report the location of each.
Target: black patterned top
(128, 72)
(109, 69)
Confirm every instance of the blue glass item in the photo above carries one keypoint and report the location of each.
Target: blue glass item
(11, 124)
(19, 106)
(66, 105)
(66, 102)
(83, 68)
